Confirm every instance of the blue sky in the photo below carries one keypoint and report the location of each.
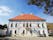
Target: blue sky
(12, 8)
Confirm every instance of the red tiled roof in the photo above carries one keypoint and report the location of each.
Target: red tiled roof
(26, 17)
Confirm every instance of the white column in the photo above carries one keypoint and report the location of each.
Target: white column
(45, 25)
(17, 31)
(40, 24)
(25, 32)
(28, 24)
(41, 30)
(9, 27)
(14, 24)
(45, 30)
(13, 32)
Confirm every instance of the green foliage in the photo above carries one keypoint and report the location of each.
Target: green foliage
(3, 26)
(47, 4)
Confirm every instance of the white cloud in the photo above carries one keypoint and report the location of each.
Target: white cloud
(5, 11)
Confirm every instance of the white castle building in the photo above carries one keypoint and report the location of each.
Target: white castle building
(27, 25)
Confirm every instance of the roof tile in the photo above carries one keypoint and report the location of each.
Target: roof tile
(26, 17)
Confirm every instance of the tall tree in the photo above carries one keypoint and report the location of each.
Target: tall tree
(46, 4)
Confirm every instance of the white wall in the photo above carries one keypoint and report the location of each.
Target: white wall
(19, 27)
(3, 32)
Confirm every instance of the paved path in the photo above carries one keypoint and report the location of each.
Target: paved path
(27, 38)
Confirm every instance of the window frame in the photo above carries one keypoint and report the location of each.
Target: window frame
(30, 25)
(11, 24)
(15, 31)
(16, 25)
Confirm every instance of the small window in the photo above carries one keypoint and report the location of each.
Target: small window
(12, 25)
(43, 25)
(15, 31)
(38, 25)
(30, 25)
(16, 25)
(27, 25)
(10, 32)
(31, 31)
(44, 33)
(23, 25)
(23, 31)
(39, 32)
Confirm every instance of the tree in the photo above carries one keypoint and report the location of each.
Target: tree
(46, 4)
(0, 26)
(3, 26)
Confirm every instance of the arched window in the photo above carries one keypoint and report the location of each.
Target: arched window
(11, 24)
(15, 31)
(16, 25)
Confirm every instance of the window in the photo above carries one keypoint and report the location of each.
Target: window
(44, 33)
(39, 32)
(15, 31)
(23, 31)
(27, 25)
(23, 25)
(42, 25)
(10, 32)
(30, 25)
(16, 25)
(38, 25)
(31, 31)
(12, 25)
